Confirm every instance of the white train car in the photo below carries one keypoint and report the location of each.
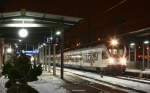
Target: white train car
(98, 58)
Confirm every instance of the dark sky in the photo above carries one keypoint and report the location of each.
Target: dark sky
(102, 17)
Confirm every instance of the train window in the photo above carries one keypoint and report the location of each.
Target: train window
(95, 55)
(104, 55)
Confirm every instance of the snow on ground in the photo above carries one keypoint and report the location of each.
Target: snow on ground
(46, 84)
(120, 82)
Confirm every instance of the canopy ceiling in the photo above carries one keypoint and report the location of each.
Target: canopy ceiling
(45, 25)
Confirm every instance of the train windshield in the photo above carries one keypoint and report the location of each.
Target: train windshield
(117, 51)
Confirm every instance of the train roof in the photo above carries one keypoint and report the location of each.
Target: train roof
(86, 50)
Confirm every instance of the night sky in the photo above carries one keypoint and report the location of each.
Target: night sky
(102, 17)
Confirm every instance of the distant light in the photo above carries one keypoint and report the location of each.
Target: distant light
(78, 44)
(139, 47)
(23, 19)
(51, 38)
(16, 45)
(23, 25)
(114, 42)
(23, 33)
(132, 44)
(56, 44)
(146, 42)
(9, 50)
(58, 33)
(32, 59)
(44, 44)
(98, 39)
(20, 40)
(147, 48)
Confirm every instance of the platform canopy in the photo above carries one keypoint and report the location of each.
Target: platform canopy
(39, 25)
(138, 35)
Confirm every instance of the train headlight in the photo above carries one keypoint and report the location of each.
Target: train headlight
(123, 61)
(111, 60)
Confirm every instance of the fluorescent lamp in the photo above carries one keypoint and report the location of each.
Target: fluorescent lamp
(23, 19)
(22, 25)
(146, 42)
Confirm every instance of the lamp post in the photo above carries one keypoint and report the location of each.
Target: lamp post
(62, 55)
(54, 61)
(61, 33)
(49, 40)
(49, 61)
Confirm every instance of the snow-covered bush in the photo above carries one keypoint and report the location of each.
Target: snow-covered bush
(20, 71)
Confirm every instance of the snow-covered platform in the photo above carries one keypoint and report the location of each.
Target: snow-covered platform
(139, 73)
(146, 71)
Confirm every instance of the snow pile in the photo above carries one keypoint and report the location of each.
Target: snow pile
(46, 84)
(3, 80)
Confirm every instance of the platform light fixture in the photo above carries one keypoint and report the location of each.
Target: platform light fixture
(23, 51)
(9, 50)
(51, 38)
(16, 45)
(25, 22)
(146, 42)
(24, 19)
(23, 33)
(23, 25)
(58, 33)
(132, 44)
(41, 46)
(44, 44)
(20, 40)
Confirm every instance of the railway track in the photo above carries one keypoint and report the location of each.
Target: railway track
(131, 76)
(86, 82)
(135, 79)
(119, 86)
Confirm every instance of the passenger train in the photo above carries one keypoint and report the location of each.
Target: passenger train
(97, 58)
